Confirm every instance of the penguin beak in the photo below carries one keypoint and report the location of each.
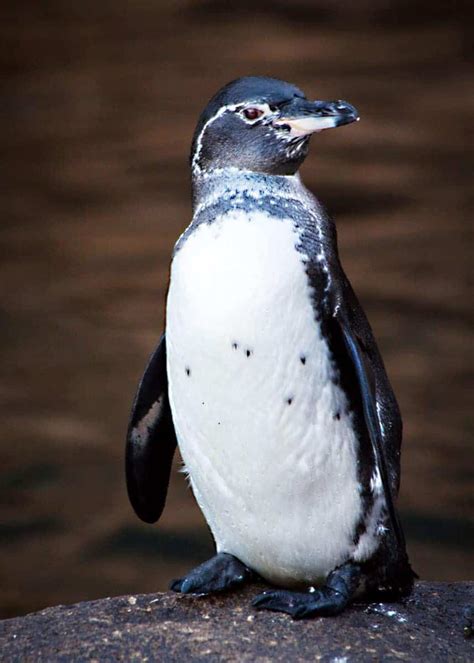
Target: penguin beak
(305, 117)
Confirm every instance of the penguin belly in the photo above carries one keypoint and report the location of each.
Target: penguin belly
(263, 428)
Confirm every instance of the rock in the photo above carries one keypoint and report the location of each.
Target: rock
(431, 625)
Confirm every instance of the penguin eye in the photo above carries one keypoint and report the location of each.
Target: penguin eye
(252, 113)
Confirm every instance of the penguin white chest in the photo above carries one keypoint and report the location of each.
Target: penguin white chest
(262, 427)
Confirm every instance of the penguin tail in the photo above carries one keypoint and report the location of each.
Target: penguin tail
(395, 581)
(389, 575)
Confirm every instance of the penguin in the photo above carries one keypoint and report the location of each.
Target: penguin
(268, 377)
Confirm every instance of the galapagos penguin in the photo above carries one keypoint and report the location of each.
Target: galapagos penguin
(268, 376)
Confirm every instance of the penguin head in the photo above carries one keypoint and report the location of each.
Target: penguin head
(261, 124)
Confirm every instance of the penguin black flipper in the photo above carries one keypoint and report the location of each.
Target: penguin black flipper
(151, 440)
(366, 382)
(352, 335)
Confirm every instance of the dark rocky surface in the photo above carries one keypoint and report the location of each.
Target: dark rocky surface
(431, 625)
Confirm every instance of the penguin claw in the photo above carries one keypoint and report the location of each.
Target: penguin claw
(183, 585)
(295, 604)
(219, 574)
(299, 605)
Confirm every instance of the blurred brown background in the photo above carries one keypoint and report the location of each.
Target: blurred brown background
(98, 106)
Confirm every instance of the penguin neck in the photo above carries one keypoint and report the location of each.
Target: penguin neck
(220, 183)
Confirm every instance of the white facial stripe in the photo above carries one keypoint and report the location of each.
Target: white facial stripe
(303, 126)
(223, 109)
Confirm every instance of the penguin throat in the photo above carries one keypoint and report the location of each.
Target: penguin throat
(231, 183)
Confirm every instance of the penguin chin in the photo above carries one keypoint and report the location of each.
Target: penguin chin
(298, 150)
(292, 151)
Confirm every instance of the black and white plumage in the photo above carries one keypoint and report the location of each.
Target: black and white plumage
(269, 377)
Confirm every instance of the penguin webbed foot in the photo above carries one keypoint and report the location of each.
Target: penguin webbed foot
(329, 600)
(221, 573)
